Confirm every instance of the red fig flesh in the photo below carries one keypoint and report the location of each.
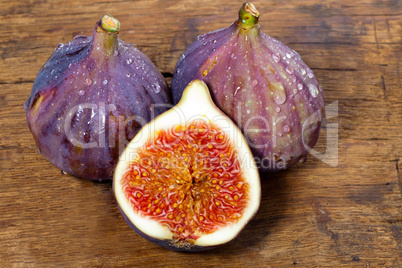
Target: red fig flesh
(261, 84)
(90, 98)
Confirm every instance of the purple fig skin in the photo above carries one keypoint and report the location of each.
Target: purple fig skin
(90, 98)
(261, 84)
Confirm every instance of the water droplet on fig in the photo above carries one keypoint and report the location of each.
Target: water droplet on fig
(128, 75)
(214, 41)
(60, 45)
(81, 92)
(279, 93)
(313, 90)
(286, 128)
(88, 81)
(236, 91)
(115, 53)
(303, 72)
(63, 172)
(310, 75)
(156, 87)
(129, 61)
(255, 82)
(275, 57)
(248, 111)
(105, 82)
(300, 86)
(288, 70)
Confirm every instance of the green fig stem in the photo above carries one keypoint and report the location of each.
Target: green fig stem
(107, 32)
(110, 24)
(248, 15)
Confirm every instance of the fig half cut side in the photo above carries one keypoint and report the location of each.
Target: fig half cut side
(188, 180)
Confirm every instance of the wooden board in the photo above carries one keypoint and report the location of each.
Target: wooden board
(342, 210)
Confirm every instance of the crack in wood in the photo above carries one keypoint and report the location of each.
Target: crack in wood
(16, 82)
(9, 147)
(384, 89)
(393, 221)
(336, 69)
(375, 34)
(398, 175)
(335, 43)
(388, 29)
(375, 15)
(376, 139)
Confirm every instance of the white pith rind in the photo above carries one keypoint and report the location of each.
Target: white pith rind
(196, 104)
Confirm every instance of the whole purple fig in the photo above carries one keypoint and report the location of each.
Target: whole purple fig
(261, 84)
(90, 98)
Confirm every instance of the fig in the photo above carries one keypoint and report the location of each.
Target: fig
(188, 180)
(90, 98)
(261, 84)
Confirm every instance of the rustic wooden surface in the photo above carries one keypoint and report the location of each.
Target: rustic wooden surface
(344, 211)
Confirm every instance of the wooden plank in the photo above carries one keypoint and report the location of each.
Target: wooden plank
(340, 211)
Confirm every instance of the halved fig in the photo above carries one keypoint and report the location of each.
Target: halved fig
(90, 98)
(188, 180)
(261, 84)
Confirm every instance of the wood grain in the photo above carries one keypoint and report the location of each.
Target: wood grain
(345, 211)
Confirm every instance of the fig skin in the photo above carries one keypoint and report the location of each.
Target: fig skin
(195, 105)
(167, 244)
(261, 84)
(90, 98)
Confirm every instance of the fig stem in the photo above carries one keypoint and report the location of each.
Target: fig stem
(248, 15)
(110, 24)
(106, 35)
